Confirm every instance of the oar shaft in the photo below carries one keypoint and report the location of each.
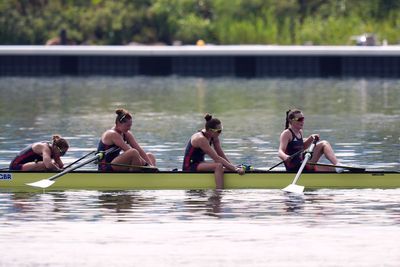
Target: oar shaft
(306, 158)
(337, 166)
(75, 167)
(97, 156)
(289, 158)
(87, 155)
(44, 183)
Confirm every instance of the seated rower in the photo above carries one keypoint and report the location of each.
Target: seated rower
(291, 141)
(41, 156)
(120, 136)
(201, 144)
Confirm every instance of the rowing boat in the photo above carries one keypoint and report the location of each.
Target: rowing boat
(16, 181)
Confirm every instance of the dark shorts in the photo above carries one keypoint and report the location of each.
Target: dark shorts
(307, 168)
(103, 167)
(192, 167)
(16, 167)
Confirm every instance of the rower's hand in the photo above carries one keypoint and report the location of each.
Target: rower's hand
(315, 137)
(240, 171)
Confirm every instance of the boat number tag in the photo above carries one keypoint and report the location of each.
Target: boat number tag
(5, 176)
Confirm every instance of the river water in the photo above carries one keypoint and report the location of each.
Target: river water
(361, 119)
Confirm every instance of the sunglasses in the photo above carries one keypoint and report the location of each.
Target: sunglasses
(62, 152)
(216, 130)
(301, 119)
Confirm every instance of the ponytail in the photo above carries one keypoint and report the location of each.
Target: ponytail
(287, 119)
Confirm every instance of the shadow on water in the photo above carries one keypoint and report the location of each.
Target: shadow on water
(294, 202)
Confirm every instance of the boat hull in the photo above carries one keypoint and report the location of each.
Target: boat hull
(92, 180)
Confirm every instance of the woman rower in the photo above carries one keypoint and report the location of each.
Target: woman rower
(200, 144)
(41, 156)
(291, 142)
(121, 138)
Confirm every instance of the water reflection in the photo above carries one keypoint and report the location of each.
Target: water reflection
(294, 203)
(321, 207)
(208, 202)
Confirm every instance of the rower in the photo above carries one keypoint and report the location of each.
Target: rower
(41, 156)
(207, 142)
(133, 157)
(291, 142)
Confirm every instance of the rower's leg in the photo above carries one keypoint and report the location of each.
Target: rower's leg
(218, 169)
(324, 148)
(129, 157)
(152, 159)
(34, 166)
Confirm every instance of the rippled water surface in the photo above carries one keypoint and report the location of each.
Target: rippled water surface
(198, 228)
(361, 119)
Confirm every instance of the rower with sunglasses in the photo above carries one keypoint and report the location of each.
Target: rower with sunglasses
(207, 142)
(41, 156)
(291, 142)
(120, 137)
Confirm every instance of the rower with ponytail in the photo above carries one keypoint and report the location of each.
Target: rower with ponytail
(292, 142)
(207, 142)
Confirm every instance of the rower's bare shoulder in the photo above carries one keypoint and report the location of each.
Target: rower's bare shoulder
(286, 134)
(198, 139)
(39, 147)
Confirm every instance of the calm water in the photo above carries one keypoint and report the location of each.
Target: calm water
(361, 118)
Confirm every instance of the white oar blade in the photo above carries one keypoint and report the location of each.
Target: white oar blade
(294, 188)
(42, 183)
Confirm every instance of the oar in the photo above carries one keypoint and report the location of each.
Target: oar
(350, 168)
(293, 187)
(85, 156)
(44, 183)
(291, 157)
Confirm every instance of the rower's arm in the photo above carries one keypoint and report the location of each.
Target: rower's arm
(218, 149)
(283, 143)
(205, 146)
(134, 144)
(47, 160)
(310, 139)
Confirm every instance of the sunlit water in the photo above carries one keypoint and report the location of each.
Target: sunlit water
(361, 119)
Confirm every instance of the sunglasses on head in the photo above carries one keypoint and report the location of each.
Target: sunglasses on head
(300, 119)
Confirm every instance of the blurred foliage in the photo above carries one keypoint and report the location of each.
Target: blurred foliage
(112, 22)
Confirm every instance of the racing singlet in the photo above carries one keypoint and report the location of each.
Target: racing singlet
(193, 156)
(25, 156)
(104, 163)
(295, 145)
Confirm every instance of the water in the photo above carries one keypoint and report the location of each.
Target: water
(361, 119)
(197, 228)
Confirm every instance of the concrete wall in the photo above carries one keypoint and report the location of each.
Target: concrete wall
(206, 61)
